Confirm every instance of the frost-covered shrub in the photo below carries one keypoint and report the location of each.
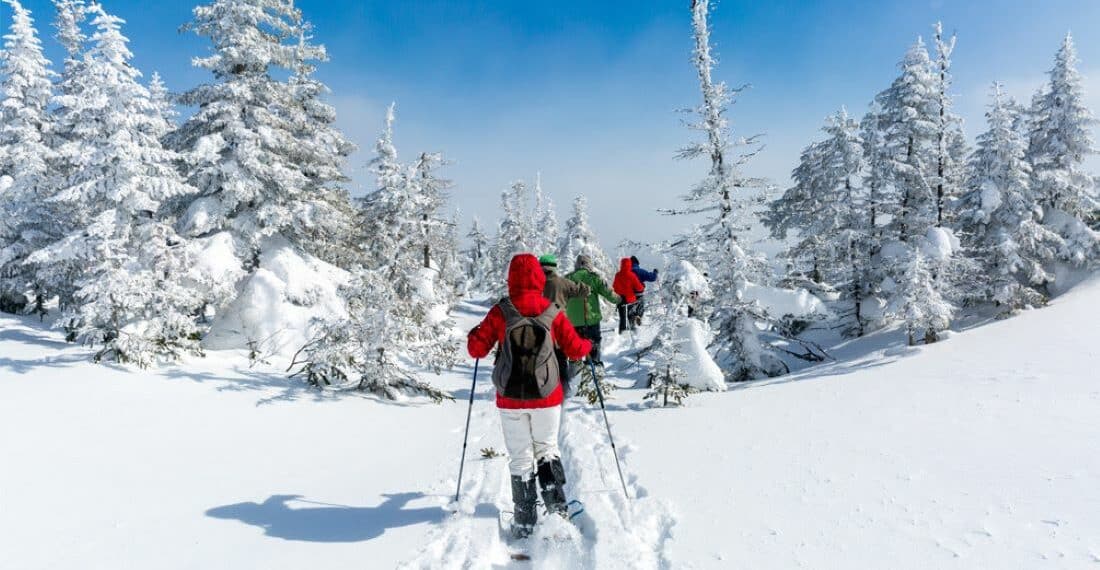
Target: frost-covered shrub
(358, 351)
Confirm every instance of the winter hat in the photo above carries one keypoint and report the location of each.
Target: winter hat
(548, 260)
(585, 262)
(634, 260)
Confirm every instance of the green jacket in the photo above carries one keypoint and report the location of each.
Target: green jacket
(585, 311)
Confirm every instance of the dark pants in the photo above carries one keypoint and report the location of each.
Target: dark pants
(593, 334)
(624, 317)
(639, 306)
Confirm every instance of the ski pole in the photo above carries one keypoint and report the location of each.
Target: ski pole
(469, 411)
(614, 451)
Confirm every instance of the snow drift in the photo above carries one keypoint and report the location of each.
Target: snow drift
(275, 311)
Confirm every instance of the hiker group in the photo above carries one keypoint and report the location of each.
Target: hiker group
(547, 322)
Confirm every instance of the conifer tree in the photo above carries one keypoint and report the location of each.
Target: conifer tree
(915, 139)
(1060, 140)
(129, 298)
(924, 308)
(874, 184)
(401, 225)
(578, 238)
(730, 266)
(515, 232)
(546, 227)
(826, 207)
(908, 119)
(262, 151)
(65, 160)
(25, 126)
(999, 217)
(478, 255)
(951, 147)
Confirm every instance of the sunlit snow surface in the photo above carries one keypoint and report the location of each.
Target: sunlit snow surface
(977, 452)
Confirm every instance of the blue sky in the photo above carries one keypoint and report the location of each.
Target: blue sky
(586, 92)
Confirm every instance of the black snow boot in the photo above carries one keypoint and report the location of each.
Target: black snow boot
(552, 480)
(524, 516)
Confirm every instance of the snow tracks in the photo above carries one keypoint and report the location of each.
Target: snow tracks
(616, 532)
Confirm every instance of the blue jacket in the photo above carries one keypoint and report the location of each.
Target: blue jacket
(643, 275)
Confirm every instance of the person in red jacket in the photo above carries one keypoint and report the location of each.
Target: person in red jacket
(527, 327)
(628, 287)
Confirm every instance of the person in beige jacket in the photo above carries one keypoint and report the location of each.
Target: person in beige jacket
(560, 290)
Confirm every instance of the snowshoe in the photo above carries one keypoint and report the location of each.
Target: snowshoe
(509, 536)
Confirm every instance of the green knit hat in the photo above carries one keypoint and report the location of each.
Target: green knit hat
(549, 260)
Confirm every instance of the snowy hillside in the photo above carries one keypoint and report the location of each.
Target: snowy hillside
(972, 453)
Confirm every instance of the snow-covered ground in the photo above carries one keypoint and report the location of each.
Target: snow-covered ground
(978, 452)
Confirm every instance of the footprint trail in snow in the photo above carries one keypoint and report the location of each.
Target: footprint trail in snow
(615, 532)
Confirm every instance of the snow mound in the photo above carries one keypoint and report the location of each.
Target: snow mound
(274, 312)
(686, 279)
(781, 302)
(216, 267)
(202, 216)
(939, 244)
(701, 372)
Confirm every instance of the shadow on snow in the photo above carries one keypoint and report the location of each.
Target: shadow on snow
(323, 522)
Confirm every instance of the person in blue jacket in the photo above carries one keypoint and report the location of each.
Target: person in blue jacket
(645, 277)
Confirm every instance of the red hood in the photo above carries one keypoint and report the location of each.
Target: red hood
(625, 264)
(525, 276)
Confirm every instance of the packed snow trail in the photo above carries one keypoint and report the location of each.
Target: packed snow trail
(616, 532)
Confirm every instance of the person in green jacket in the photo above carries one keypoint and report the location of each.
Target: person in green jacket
(584, 312)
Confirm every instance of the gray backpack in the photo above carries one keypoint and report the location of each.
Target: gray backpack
(526, 368)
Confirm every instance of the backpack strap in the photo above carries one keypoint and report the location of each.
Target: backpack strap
(511, 313)
(547, 317)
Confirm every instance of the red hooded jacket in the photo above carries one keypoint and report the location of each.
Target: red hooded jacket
(627, 285)
(525, 284)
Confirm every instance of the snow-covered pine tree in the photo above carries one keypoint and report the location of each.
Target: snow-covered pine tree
(875, 179)
(478, 256)
(515, 233)
(70, 16)
(431, 191)
(722, 192)
(398, 221)
(908, 119)
(380, 210)
(437, 242)
(547, 231)
(826, 207)
(875, 196)
(578, 238)
(162, 103)
(999, 215)
(451, 263)
(1060, 140)
(925, 310)
(129, 298)
(951, 148)
(679, 361)
(25, 220)
(396, 308)
(320, 152)
(262, 152)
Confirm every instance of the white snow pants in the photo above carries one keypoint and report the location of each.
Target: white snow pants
(530, 435)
